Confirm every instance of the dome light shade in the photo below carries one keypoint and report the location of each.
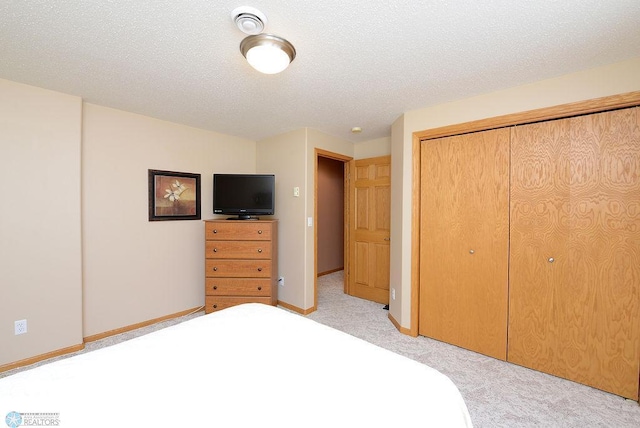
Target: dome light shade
(267, 53)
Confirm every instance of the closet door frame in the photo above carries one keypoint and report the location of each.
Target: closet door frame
(630, 99)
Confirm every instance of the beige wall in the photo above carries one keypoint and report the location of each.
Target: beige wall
(284, 156)
(134, 269)
(400, 262)
(291, 157)
(372, 148)
(603, 81)
(79, 257)
(40, 244)
(79, 179)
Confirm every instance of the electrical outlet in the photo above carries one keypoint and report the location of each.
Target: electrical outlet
(20, 327)
(281, 281)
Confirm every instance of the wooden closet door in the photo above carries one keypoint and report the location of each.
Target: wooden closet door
(575, 249)
(464, 241)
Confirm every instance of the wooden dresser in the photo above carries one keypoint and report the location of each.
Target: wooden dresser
(241, 263)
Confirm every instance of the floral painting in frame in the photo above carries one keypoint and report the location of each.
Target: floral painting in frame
(173, 195)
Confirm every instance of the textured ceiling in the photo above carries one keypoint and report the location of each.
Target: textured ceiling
(359, 63)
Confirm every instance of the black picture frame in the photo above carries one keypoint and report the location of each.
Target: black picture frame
(173, 195)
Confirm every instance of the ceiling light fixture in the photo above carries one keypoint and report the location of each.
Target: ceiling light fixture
(267, 53)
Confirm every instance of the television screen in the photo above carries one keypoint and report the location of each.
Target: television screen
(244, 195)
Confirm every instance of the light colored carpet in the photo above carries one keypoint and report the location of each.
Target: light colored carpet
(498, 394)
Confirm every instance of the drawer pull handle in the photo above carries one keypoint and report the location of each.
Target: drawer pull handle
(215, 250)
(215, 230)
(259, 269)
(259, 288)
(215, 287)
(259, 250)
(215, 306)
(551, 260)
(471, 251)
(259, 232)
(215, 269)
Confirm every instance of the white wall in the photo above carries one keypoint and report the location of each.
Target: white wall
(599, 82)
(136, 270)
(40, 244)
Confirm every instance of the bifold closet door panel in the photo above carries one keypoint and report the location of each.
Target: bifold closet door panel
(575, 249)
(464, 241)
(539, 239)
(604, 244)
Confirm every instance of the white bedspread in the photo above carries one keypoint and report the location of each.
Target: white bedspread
(246, 366)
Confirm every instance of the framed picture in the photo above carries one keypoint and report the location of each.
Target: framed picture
(173, 195)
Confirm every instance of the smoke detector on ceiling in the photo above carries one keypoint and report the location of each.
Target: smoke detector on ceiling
(249, 20)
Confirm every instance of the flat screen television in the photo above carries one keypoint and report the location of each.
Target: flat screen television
(244, 195)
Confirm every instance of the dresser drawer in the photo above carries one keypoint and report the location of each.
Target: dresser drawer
(238, 287)
(238, 249)
(241, 263)
(242, 230)
(215, 303)
(221, 268)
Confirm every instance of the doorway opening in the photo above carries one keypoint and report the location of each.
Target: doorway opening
(331, 205)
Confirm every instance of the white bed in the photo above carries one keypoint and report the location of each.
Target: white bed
(246, 366)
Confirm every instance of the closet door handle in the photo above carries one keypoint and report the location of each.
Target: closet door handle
(472, 252)
(551, 260)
